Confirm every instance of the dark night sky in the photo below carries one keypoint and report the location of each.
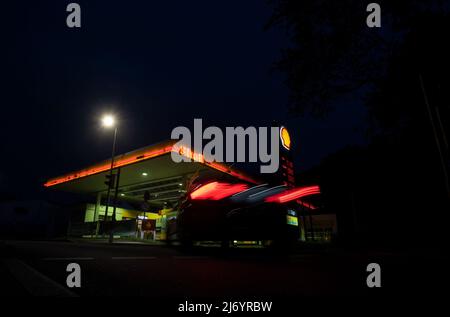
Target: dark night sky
(158, 65)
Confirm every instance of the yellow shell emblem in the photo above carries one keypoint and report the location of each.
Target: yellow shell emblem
(285, 138)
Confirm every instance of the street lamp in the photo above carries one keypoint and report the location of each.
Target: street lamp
(108, 121)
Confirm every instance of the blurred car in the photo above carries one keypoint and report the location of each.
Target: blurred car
(214, 210)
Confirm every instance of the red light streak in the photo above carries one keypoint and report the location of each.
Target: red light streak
(217, 191)
(293, 194)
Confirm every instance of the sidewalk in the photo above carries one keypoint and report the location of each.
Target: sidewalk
(118, 241)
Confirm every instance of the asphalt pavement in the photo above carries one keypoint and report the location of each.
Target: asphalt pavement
(39, 268)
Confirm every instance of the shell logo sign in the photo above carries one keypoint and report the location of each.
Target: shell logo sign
(285, 138)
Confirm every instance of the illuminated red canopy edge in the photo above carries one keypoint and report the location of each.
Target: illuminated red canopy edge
(138, 156)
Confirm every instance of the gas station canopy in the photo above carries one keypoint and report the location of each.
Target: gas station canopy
(150, 169)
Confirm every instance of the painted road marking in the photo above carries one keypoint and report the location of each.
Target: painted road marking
(177, 257)
(68, 259)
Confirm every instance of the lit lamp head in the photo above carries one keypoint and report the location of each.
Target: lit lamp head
(108, 121)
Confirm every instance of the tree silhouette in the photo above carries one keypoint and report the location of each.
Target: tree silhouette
(334, 52)
(396, 188)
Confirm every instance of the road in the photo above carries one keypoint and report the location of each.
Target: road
(161, 271)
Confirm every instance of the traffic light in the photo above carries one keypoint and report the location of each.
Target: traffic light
(110, 178)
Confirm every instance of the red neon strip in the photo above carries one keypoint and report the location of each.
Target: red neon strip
(198, 157)
(217, 191)
(307, 205)
(105, 167)
(225, 169)
(293, 194)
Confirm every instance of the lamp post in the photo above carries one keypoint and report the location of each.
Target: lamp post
(108, 121)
